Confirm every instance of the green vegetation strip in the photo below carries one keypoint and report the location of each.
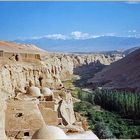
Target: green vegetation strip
(110, 114)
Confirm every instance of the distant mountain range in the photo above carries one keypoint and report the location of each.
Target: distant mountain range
(103, 43)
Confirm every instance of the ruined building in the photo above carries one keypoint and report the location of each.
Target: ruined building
(27, 57)
(33, 100)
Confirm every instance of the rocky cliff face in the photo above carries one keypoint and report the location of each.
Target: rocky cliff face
(53, 69)
(65, 64)
(17, 74)
(49, 72)
(2, 115)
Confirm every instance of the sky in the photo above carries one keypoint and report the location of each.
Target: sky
(62, 20)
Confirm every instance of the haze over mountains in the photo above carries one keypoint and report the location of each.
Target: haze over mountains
(95, 44)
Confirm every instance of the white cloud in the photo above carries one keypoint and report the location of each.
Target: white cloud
(95, 36)
(110, 34)
(56, 36)
(52, 36)
(132, 31)
(79, 35)
(73, 35)
(36, 37)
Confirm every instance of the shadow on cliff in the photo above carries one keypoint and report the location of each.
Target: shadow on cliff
(86, 72)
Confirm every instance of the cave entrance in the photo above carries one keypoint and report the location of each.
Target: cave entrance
(26, 134)
(17, 57)
(40, 81)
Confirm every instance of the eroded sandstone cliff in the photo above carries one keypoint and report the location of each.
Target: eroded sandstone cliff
(65, 65)
(49, 72)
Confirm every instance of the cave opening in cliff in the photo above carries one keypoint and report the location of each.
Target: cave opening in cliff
(40, 80)
(19, 115)
(17, 57)
(26, 134)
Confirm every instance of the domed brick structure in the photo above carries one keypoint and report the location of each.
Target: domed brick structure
(49, 132)
(47, 93)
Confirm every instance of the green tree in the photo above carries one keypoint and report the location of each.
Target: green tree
(103, 131)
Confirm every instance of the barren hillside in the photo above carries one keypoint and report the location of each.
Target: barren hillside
(123, 74)
(20, 48)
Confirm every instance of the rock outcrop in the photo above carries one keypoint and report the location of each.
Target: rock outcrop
(24, 116)
(65, 65)
(2, 114)
(18, 74)
(35, 93)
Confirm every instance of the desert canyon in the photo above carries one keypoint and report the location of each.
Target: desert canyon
(34, 102)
